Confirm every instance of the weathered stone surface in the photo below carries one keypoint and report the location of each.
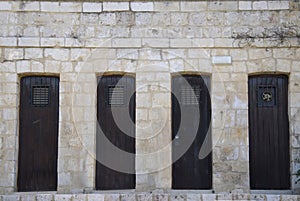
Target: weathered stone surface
(153, 41)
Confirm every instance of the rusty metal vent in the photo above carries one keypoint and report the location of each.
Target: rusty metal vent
(116, 95)
(190, 95)
(40, 95)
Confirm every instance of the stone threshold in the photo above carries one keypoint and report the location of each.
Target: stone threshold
(131, 195)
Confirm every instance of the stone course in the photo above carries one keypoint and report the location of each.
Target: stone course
(79, 41)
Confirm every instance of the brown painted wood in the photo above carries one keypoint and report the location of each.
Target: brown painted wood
(124, 139)
(38, 135)
(191, 172)
(269, 132)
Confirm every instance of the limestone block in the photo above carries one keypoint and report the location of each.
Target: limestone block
(52, 42)
(180, 43)
(176, 65)
(13, 54)
(193, 6)
(8, 67)
(150, 54)
(112, 197)
(8, 41)
(239, 54)
(160, 197)
(222, 42)
(289, 197)
(284, 53)
(33, 53)
(295, 97)
(64, 179)
(272, 197)
(296, 66)
(142, 6)
(193, 197)
(28, 197)
(50, 66)
(95, 197)
(44, 197)
(107, 18)
(79, 197)
(241, 118)
(203, 42)
(260, 5)
(124, 42)
(245, 5)
(57, 54)
(115, 6)
(283, 65)
(278, 5)
(259, 53)
(142, 19)
(177, 197)
(239, 67)
(62, 197)
(209, 197)
(125, 18)
(143, 78)
(143, 100)
(70, 7)
(161, 19)
(126, 54)
(179, 19)
(5, 6)
(224, 196)
(127, 197)
(10, 197)
(23, 66)
(144, 197)
(92, 7)
(296, 141)
(199, 53)
(25, 6)
(222, 5)
(161, 99)
(166, 6)
(155, 42)
(29, 42)
(38, 67)
(50, 6)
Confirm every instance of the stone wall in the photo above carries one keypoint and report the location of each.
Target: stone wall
(152, 40)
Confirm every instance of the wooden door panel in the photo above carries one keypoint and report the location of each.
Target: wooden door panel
(269, 132)
(191, 113)
(116, 118)
(38, 134)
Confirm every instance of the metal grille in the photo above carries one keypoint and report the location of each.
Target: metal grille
(116, 95)
(40, 95)
(190, 95)
(266, 96)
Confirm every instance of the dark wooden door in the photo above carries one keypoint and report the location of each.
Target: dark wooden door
(116, 118)
(191, 115)
(38, 134)
(269, 132)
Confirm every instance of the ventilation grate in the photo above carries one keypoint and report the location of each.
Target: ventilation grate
(266, 96)
(40, 96)
(190, 95)
(116, 95)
